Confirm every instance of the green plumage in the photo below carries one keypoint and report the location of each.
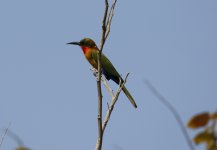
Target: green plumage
(111, 73)
(108, 70)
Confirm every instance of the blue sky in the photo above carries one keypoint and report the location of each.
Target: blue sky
(49, 94)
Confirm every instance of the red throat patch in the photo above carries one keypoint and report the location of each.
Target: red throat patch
(85, 49)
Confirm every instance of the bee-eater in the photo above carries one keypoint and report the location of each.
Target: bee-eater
(90, 51)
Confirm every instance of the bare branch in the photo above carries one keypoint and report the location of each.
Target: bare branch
(3, 136)
(107, 86)
(99, 118)
(106, 23)
(15, 137)
(173, 111)
(103, 79)
(111, 13)
(112, 104)
(104, 27)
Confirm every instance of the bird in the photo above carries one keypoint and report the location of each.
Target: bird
(90, 51)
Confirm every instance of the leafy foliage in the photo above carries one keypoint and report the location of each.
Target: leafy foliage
(199, 120)
(208, 134)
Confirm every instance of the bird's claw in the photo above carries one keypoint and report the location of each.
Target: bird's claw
(95, 73)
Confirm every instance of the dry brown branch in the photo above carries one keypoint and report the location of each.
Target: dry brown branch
(173, 111)
(104, 36)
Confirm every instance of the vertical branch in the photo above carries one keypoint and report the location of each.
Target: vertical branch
(111, 13)
(173, 111)
(104, 27)
(103, 39)
(106, 22)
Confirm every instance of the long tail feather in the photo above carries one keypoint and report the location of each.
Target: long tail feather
(127, 93)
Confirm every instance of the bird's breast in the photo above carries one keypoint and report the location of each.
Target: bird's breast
(90, 59)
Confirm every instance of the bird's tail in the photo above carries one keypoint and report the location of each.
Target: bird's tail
(127, 93)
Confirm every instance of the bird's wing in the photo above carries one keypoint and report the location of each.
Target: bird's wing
(109, 70)
(107, 66)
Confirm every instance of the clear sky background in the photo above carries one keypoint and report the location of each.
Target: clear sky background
(49, 94)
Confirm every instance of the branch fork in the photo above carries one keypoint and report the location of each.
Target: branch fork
(106, 24)
(114, 97)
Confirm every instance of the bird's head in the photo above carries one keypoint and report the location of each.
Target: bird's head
(86, 42)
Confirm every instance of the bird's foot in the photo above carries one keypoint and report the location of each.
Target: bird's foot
(95, 73)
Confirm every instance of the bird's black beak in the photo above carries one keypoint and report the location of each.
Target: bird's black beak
(74, 43)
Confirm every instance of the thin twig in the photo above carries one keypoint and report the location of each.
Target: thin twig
(15, 137)
(114, 98)
(103, 28)
(111, 13)
(3, 136)
(173, 111)
(106, 84)
(112, 104)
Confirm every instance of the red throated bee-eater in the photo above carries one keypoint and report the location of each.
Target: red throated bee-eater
(108, 70)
